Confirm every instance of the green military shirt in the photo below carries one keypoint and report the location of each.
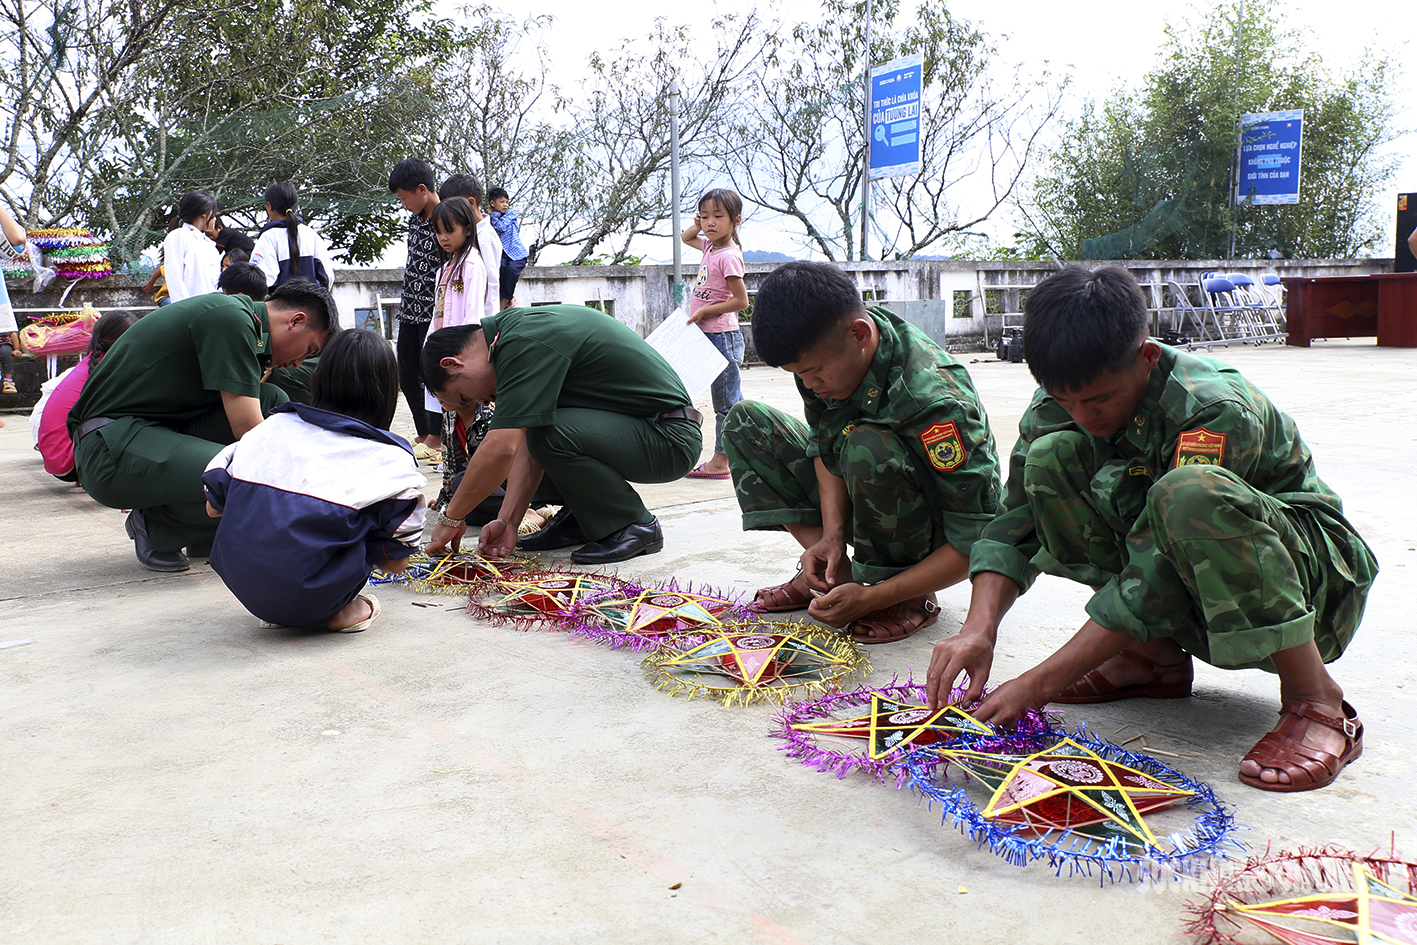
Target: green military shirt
(572, 356)
(927, 399)
(173, 364)
(1195, 411)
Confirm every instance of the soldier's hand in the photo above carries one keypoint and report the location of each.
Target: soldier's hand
(497, 539)
(822, 564)
(1011, 700)
(967, 653)
(843, 604)
(446, 538)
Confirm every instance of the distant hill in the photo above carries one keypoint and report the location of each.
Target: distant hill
(764, 256)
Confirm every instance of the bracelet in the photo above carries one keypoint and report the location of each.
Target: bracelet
(442, 519)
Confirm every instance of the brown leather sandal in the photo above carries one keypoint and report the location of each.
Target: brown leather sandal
(1095, 687)
(781, 598)
(1308, 768)
(899, 621)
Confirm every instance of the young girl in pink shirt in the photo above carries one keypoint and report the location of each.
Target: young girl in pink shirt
(718, 295)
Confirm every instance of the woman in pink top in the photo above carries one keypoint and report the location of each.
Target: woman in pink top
(718, 295)
(54, 443)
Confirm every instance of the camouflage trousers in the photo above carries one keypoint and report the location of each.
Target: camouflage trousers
(892, 525)
(1229, 573)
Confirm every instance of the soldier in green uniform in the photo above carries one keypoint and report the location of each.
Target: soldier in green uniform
(162, 403)
(895, 459)
(1190, 504)
(582, 401)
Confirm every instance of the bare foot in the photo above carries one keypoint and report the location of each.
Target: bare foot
(353, 612)
(718, 465)
(1328, 701)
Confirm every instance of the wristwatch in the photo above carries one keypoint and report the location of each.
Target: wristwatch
(442, 519)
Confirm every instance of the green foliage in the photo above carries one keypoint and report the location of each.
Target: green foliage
(121, 106)
(805, 120)
(606, 259)
(1147, 174)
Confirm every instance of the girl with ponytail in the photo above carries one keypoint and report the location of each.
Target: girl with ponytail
(191, 262)
(287, 248)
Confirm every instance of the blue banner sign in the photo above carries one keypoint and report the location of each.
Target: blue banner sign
(894, 145)
(1270, 144)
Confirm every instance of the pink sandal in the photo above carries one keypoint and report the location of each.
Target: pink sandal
(698, 472)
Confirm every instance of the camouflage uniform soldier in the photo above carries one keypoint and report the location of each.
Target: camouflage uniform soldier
(895, 458)
(1174, 488)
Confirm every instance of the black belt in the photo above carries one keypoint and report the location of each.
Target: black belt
(88, 426)
(682, 413)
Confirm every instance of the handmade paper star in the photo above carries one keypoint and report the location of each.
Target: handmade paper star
(453, 573)
(824, 733)
(1373, 913)
(743, 662)
(1067, 787)
(891, 725)
(545, 598)
(656, 612)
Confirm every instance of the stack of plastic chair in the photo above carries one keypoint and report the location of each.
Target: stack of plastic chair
(1197, 323)
(1233, 315)
(1267, 314)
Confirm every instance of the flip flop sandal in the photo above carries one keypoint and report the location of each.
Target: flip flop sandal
(364, 624)
(781, 598)
(1095, 687)
(1308, 768)
(698, 472)
(896, 619)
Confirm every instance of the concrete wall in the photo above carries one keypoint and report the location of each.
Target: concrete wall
(961, 303)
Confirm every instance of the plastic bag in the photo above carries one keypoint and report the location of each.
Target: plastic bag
(43, 275)
(69, 333)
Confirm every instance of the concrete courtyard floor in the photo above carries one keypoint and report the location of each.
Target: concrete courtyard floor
(170, 773)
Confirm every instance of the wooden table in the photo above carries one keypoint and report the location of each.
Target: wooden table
(1384, 304)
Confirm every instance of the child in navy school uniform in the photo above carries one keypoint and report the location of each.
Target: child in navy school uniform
(316, 496)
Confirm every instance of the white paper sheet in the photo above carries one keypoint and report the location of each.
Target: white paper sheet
(688, 351)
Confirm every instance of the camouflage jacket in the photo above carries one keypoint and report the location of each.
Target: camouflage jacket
(927, 398)
(1195, 410)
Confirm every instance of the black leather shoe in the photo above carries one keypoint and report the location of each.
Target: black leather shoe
(152, 559)
(562, 531)
(201, 549)
(629, 542)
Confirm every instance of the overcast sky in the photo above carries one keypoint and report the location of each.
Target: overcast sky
(1101, 43)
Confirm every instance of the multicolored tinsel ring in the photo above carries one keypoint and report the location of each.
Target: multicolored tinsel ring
(641, 617)
(547, 599)
(754, 660)
(1081, 804)
(1313, 897)
(869, 730)
(73, 252)
(455, 573)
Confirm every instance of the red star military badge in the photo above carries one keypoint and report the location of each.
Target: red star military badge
(943, 447)
(1200, 447)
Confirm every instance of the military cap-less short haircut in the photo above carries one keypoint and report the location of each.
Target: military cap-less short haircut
(444, 343)
(798, 305)
(301, 295)
(1079, 324)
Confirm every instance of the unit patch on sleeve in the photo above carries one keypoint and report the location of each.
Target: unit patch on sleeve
(1200, 448)
(943, 446)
